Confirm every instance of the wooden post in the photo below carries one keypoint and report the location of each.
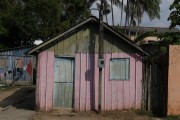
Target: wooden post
(149, 88)
(101, 48)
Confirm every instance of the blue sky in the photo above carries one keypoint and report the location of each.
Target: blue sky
(163, 22)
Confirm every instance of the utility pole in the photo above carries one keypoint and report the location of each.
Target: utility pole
(101, 50)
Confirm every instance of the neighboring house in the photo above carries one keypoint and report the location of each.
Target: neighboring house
(15, 66)
(67, 70)
(142, 30)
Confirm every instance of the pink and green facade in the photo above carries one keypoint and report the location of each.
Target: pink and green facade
(68, 73)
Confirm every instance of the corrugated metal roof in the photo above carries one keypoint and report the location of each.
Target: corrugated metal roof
(90, 19)
(142, 30)
(17, 51)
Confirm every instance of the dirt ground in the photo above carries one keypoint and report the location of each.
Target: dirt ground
(110, 115)
(18, 103)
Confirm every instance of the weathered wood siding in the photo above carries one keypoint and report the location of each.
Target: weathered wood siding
(45, 79)
(116, 94)
(82, 44)
(63, 83)
(86, 41)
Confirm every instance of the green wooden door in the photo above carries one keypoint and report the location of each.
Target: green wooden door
(63, 82)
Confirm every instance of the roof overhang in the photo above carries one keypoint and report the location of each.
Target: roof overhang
(36, 49)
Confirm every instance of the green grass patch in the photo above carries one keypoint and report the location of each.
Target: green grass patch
(143, 112)
(172, 117)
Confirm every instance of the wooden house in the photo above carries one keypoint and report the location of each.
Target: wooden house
(15, 66)
(67, 70)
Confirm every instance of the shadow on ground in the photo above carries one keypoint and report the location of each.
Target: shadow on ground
(22, 98)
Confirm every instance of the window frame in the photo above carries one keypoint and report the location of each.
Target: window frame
(119, 78)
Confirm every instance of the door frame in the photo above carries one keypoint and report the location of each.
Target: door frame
(70, 58)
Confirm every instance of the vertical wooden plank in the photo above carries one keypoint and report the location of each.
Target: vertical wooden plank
(107, 84)
(132, 81)
(37, 93)
(72, 45)
(120, 84)
(96, 81)
(60, 48)
(103, 87)
(149, 90)
(126, 95)
(105, 80)
(67, 73)
(139, 78)
(92, 82)
(126, 86)
(88, 80)
(115, 88)
(42, 74)
(83, 83)
(56, 89)
(50, 79)
(71, 83)
(77, 82)
(56, 49)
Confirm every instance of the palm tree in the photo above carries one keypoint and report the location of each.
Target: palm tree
(113, 2)
(112, 12)
(138, 7)
(106, 9)
(122, 8)
(118, 4)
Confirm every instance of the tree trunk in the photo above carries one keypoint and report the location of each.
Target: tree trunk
(138, 17)
(127, 14)
(122, 13)
(112, 13)
(132, 18)
(106, 19)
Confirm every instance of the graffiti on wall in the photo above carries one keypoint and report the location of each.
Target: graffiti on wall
(15, 69)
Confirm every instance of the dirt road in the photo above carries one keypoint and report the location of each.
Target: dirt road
(110, 115)
(17, 103)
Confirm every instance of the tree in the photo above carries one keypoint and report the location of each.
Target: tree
(136, 8)
(23, 21)
(113, 2)
(172, 38)
(122, 8)
(106, 9)
(168, 38)
(175, 14)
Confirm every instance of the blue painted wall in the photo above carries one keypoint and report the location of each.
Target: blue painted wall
(16, 66)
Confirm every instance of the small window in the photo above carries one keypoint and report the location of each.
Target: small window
(119, 69)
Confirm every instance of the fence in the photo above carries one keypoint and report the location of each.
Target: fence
(154, 86)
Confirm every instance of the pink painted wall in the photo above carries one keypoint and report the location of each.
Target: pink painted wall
(116, 95)
(174, 80)
(45, 79)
